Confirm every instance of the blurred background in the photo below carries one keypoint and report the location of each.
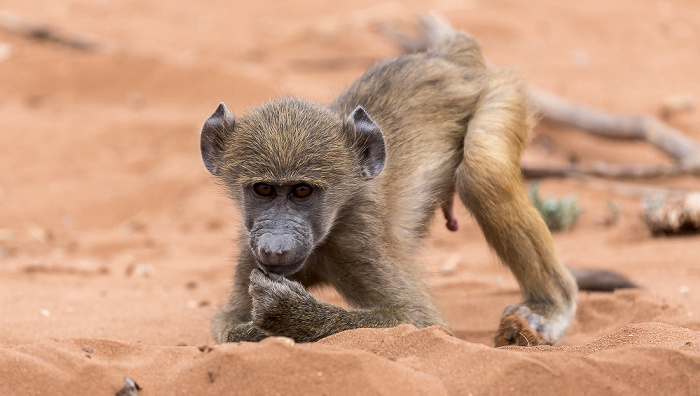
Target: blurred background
(111, 227)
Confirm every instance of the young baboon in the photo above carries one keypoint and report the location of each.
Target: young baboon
(343, 195)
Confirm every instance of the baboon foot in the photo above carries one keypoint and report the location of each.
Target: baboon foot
(522, 327)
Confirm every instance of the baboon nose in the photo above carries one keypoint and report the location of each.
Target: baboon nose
(273, 249)
(271, 257)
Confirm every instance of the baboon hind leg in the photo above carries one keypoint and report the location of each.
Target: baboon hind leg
(489, 182)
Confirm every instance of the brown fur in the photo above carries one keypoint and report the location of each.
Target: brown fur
(449, 124)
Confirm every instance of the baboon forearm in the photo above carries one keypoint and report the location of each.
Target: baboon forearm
(283, 307)
(365, 318)
(328, 319)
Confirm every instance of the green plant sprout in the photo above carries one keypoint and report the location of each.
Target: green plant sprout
(560, 214)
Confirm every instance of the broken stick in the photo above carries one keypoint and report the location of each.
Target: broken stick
(39, 32)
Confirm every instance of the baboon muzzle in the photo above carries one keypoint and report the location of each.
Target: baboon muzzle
(279, 253)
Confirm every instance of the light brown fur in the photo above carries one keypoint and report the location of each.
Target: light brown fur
(449, 124)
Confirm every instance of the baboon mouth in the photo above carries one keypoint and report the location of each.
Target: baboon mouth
(287, 269)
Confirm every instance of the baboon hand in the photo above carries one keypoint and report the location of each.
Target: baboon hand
(520, 326)
(245, 332)
(280, 304)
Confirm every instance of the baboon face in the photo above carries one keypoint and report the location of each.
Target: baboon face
(291, 164)
(285, 222)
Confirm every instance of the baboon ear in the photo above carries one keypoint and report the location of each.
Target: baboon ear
(369, 141)
(219, 125)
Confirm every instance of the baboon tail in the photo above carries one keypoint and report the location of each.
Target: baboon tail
(461, 49)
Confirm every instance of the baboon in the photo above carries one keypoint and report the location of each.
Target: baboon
(343, 195)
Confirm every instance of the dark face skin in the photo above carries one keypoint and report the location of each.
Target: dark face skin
(284, 222)
(290, 140)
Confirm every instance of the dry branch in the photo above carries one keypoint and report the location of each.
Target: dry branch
(39, 32)
(614, 126)
(610, 171)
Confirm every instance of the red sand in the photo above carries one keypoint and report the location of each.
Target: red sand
(115, 240)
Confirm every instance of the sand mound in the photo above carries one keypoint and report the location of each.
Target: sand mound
(403, 360)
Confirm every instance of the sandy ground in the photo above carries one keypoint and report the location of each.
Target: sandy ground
(115, 243)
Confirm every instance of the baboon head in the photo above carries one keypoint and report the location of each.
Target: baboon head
(291, 164)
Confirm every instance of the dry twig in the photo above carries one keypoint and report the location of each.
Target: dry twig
(38, 32)
(610, 171)
(614, 126)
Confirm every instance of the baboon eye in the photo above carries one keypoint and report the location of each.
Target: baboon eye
(302, 191)
(263, 189)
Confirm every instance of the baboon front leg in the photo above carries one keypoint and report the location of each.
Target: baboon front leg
(227, 327)
(234, 323)
(283, 307)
